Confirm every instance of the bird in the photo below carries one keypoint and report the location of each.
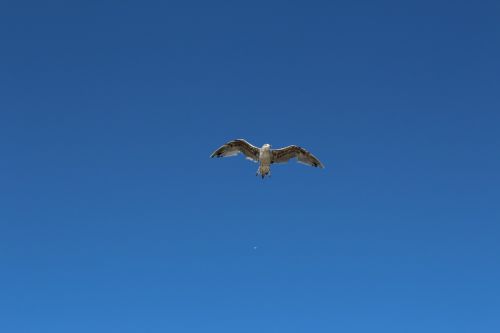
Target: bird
(265, 155)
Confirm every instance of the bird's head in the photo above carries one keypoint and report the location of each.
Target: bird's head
(266, 146)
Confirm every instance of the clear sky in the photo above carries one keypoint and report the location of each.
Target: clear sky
(113, 218)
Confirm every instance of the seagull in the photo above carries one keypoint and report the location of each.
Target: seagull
(266, 156)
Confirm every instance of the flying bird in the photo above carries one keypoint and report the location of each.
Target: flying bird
(266, 156)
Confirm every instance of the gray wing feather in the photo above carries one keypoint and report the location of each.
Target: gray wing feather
(283, 155)
(235, 147)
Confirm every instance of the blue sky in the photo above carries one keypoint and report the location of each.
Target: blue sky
(114, 219)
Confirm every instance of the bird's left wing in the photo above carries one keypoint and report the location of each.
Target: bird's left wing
(284, 154)
(238, 146)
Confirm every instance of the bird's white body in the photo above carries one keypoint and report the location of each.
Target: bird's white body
(265, 157)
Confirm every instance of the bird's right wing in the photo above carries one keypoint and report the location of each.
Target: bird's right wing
(283, 155)
(234, 147)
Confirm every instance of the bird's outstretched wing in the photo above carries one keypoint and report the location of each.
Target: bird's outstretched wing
(234, 147)
(284, 154)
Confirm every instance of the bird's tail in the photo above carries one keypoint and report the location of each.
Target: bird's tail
(264, 170)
